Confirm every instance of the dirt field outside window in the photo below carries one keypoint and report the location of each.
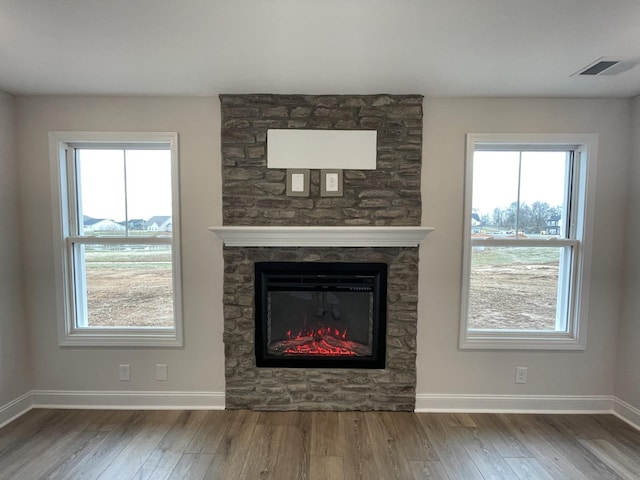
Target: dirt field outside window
(135, 290)
(129, 288)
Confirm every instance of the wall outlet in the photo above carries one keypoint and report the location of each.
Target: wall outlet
(125, 372)
(161, 372)
(521, 374)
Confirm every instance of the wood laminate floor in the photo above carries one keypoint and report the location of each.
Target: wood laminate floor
(237, 444)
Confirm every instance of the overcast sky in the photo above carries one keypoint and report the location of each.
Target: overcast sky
(495, 179)
(148, 183)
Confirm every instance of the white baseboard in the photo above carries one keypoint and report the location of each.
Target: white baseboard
(15, 409)
(125, 400)
(626, 412)
(111, 400)
(514, 403)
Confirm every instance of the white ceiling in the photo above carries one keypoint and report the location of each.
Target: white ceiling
(206, 47)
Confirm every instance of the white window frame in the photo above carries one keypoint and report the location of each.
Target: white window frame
(61, 147)
(577, 298)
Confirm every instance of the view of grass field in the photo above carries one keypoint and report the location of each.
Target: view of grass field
(494, 256)
(129, 288)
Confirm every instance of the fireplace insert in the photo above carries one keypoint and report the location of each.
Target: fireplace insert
(320, 315)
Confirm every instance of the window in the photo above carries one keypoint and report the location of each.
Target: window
(528, 222)
(116, 222)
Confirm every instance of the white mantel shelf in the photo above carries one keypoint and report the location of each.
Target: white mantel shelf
(253, 236)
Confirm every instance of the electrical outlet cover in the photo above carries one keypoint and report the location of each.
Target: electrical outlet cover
(125, 373)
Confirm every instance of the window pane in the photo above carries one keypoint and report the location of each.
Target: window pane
(101, 192)
(124, 192)
(542, 192)
(495, 192)
(519, 194)
(127, 285)
(514, 288)
(149, 192)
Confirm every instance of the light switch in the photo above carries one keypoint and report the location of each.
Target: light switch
(297, 182)
(332, 182)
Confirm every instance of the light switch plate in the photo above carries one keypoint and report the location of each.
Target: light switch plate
(298, 180)
(161, 372)
(331, 183)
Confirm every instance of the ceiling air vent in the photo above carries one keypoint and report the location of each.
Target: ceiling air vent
(608, 66)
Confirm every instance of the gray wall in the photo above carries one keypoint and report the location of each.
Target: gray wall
(14, 355)
(199, 366)
(628, 365)
(441, 367)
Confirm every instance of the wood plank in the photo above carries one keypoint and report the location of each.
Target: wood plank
(492, 428)
(580, 457)
(625, 466)
(528, 469)
(484, 455)
(428, 470)
(454, 458)
(287, 419)
(326, 468)
(68, 456)
(191, 466)
(125, 425)
(134, 455)
(59, 457)
(110, 420)
(207, 437)
(410, 435)
(162, 461)
(460, 420)
(387, 451)
(618, 429)
(325, 435)
(556, 464)
(267, 444)
(14, 435)
(234, 446)
(293, 459)
(55, 429)
(357, 456)
(579, 426)
(601, 426)
(22, 428)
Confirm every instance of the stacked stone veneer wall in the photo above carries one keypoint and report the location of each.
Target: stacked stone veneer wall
(388, 195)
(255, 195)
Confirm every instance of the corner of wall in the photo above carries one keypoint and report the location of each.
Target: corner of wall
(627, 386)
(15, 373)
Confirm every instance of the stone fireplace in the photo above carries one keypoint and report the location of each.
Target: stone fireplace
(262, 224)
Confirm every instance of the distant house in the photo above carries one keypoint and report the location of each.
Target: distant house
(553, 224)
(101, 225)
(161, 223)
(136, 224)
(476, 222)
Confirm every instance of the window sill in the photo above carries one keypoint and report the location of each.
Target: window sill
(518, 341)
(91, 339)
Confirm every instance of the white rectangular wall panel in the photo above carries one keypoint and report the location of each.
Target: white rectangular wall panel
(316, 149)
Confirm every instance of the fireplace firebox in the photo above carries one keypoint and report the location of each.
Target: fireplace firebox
(320, 315)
